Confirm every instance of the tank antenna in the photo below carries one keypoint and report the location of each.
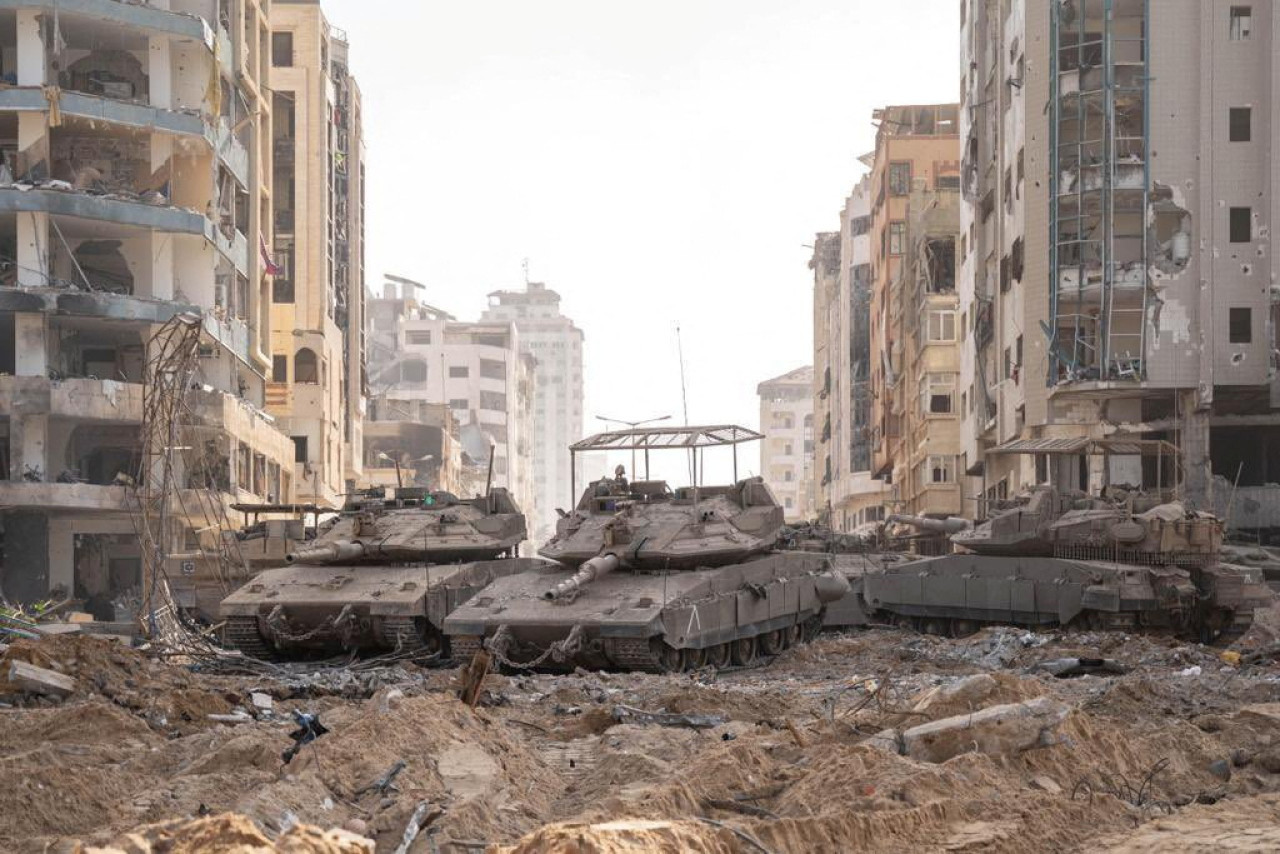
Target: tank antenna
(684, 401)
(488, 481)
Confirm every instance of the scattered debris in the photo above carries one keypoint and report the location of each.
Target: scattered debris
(421, 818)
(384, 784)
(309, 729)
(1001, 730)
(626, 714)
(37, 680)
(1069, 668)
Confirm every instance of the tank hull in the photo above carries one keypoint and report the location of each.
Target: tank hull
(963, 591)
(649, 621)
(303, 610)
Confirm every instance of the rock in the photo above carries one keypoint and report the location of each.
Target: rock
(1240, 757)
(969, 691)
(261, 701)
(999, 730)
(357, 826)
(1046, 784)
(1270, 761)
(887, 739)
(1221, 769)
(1260, 714)
(39, 681)
(1193, 670)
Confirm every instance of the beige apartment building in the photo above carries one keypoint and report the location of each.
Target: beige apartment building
(317, 388)
(915, 174)
(134, 188)
(787, 452)
(848, 496)
(1110, 291)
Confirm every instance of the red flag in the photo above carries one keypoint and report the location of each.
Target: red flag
(273, 269)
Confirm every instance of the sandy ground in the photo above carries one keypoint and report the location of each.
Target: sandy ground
(1179, 752)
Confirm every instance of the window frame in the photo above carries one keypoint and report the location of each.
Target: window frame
(1245, 128)
(1235, 333)
(1232, 234)
(1240, 23)
(896, 235)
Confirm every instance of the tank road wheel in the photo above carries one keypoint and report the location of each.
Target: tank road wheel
(694, 659)
(791, 635)
(718, 656)
(242, 634)
(934, 626)
(964, 628)
(743, 652)
(811, 628)
(670, 659)
(773, 643)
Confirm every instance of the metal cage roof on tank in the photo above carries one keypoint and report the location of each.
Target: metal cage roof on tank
(667, 437)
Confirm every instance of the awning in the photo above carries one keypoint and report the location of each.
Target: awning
(1090, 447)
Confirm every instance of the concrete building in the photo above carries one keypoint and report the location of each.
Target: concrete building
(556, 344)
(1110, 291)
(415, 443)
(915, 174)
(420, 353)
(848, 496)
(134, 186)
(317, 387)
(787, 452)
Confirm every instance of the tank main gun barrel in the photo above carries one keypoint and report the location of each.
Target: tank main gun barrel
(335, 552)
(950, 525)
(587, 573)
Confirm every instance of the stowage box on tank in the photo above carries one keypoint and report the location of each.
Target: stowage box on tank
(382, 575)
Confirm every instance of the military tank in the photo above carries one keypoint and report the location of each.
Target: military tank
(655, 579)
(382, 575)
(1130, 563)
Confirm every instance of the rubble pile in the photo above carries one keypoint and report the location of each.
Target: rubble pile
(877, 740)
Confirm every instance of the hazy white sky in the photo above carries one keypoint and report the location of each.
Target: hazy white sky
(658, 162)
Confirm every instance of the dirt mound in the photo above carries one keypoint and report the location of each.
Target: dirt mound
(232, 834)
(630, 836)
(1244, 824)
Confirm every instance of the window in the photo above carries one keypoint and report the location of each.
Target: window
(417, 336)
(788, 449)
(413, 372)
(1241, 23)
(1017, 352)
(1241, 225)
(459, 403)
(859, 226)
(964, 404)
(493, 369)
(790, 503)
(305, 367)
(493, 400)
(279, 369)
(942, 326)
(788, 475)
(282, 49)
(1241, 331)
(1008, 363)
(459, 372)
(939, 469)
(937, 394)
(1241, 124)
(899, 179)
(300, 449)
(946, 182)
(897, 237)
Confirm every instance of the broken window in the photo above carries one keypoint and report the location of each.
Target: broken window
(937, 394)
(1241, 326)
(306, 367)
(300, 449)
(413, 372)
(900, 178)
(897, 237)
(1241, 23)
(1241, 225)
(946, 182)
(1016, 260)
(495, 401)
(417, 337)
(1241, 124)
(859, 226)
(282, 49)
(939, 469)
(279, 369)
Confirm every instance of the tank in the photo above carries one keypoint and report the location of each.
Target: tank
(382, 575)
(655, 579)
(1130, 563)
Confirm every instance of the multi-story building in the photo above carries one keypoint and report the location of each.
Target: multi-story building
(415, 443)
(556, 345)
(787, 452)
(915, 173)
(827, 372)
(133, 188)
(849, 496)
(418, 352)
(317, 313)
(1109, 291)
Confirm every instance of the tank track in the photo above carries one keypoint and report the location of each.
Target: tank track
(242, 634)
(464, 648)
(634, 654)
(401, 633)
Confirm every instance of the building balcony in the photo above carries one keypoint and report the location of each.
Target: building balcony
(130, 16)
(77, 497)
(104, 401)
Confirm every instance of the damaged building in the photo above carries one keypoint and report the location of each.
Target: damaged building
(914, 340)
(1116, 272)
(415, 443)
(132, 190)
(788, 449)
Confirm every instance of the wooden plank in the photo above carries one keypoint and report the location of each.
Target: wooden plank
(37, 680)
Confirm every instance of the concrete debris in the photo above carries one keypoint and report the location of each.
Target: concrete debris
(37, 680)
(969, 692)
(1068, 668)
(999, 730)
(262, 702)
(626, 714)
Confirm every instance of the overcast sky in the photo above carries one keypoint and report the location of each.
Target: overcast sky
(659, 163)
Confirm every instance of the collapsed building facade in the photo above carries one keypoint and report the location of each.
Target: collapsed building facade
(318, 387)
(1116, 273)
(421, 353)
(133, 189)
(415, 443)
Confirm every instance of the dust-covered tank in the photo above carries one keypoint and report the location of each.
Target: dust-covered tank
(650, 578)
(1124, 561)
(381, 575)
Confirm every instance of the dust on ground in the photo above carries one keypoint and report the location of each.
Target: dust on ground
(879, 740)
